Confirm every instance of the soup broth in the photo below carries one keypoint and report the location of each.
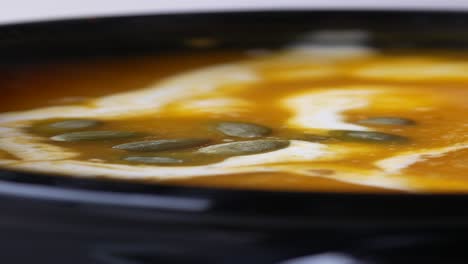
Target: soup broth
(338, 120)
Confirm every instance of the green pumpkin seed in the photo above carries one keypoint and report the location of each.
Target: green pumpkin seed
(92, 135)
(163, 144)
(153, 160)
(74, 124)
(366, 136)
(387, 120)
(242, 130)
(245, 147)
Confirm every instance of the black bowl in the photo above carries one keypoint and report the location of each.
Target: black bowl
(56, 219)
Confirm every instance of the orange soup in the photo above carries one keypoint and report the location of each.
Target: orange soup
(317, 119)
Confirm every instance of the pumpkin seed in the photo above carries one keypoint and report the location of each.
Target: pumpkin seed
(387, 120)
(366, 136)
(74, 124)
(92, 135)
(163, 144)
(245, 147)
(153, 160)
(242, 130)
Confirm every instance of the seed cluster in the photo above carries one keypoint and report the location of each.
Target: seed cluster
(256, 135)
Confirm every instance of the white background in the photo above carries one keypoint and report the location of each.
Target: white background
(12, 11)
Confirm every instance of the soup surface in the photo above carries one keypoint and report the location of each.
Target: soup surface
(306, 119)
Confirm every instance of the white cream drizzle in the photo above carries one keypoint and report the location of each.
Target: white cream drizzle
(402, 161)
(296, 152)
(148, 100)
(324, 109)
